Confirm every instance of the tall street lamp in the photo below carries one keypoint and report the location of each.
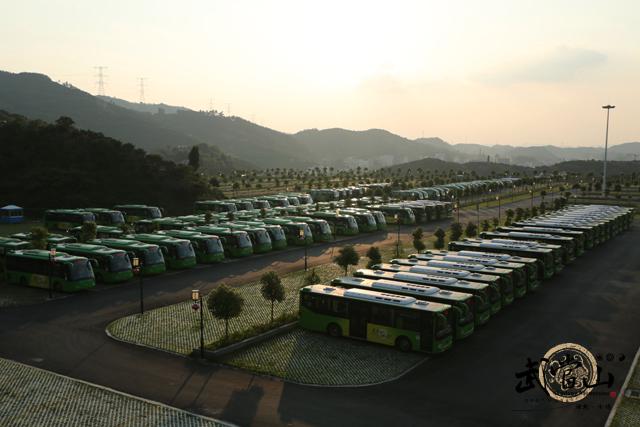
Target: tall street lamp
(301, 236)
(606, 143)
(397, 218)
(137, 268)
(531, 192)
(498, 199)
(52, 255)
(196, 297)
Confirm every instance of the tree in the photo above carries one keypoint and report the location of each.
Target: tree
(485, 225)
(519, 213)
(534, 211)
(194, 157)
(440, 234)
(272, 289)
(374, 256)
(263, 213)
(65, 122)
(456, 231)
(312, 278)
(496, 222)
(471, 230)
(418, 244)
(347, 256)
(88, 232)
(208, 217)
(39, 237)
(214, 182)
(225, 304)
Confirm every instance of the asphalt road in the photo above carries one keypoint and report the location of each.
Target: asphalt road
(592, 302)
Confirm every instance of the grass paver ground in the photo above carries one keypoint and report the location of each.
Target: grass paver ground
(34, 397)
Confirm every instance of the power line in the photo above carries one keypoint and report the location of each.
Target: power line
(100, 76)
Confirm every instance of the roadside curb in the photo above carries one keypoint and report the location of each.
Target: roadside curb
(627, 380)
(113, 337)
(215, 355)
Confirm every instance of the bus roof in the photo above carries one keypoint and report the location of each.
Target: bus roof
(457, 257)
(187, 234)
(422, 278)
(116, 207)
(159, 238)
(448, 264)
(43, 254)
(123, 243)
(88, 248)
(395, 286)
(437, 271)
(10, 243)
(377, 297)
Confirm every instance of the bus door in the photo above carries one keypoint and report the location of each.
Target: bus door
(358, 316)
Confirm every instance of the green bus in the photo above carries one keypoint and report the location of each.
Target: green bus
(52, 239)
(8, 244)
(37, 268)
(102, 231)
(461, 304)
(395, 214)
(480, 291)
(557, 250)
(236, 243)
(577, 236)
(298, 233)
(516, 271)
(383, 318)
(341, 224)
(260, 239)
(133, 213)
(590, 236)
(509, 280)
(208, 248)
(563, 247)
(66, 219)
(153, 225)
(109, 265)
(178, 253)
(107, 217)
(381, 222)
(276, 233)
(150, 256)
(217, 206)
(500, 294)
(365, 219)
(320, 228)
(544, 257)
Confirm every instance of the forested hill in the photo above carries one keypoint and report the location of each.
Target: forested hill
(56, 165)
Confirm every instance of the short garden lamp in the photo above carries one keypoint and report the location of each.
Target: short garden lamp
(135, 263)
(301, 235)
(196, 298)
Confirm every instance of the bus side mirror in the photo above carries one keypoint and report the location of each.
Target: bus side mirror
(196, 245)
(94, 263)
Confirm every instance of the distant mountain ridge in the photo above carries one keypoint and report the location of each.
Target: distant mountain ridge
(236, 143)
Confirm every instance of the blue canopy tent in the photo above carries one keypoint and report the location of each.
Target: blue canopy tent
(11, 214)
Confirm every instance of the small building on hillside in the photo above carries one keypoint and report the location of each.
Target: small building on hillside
(11, 214)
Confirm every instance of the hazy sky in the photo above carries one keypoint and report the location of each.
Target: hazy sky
(508, 72)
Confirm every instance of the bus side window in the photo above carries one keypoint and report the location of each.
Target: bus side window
(307, 301)
(407, 320)
(381, 315)
(338, 307)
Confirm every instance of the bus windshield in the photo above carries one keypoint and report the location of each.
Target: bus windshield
(324, 227)
(153, 256)
(117, 218)
(185, 250)
(307, 230)
(88, 216)
(278, 233)
(80, 270)
(120, 262)
(370, 219)
(243, 240)
(443, 327)
(214, 246)
(155, 212)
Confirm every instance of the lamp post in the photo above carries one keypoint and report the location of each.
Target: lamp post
(457, 206)
(52, 255)
(137, 268)
(498, 199)
(478, 213)
(531, 192)
(606, 143)
(196, 297)
(397, 218)
(301, 236)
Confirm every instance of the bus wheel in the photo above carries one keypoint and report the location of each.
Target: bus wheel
(334, 330)
(403, 344)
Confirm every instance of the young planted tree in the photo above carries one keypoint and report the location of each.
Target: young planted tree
(225, 304)
(471, 230)
(496, 222)
(534, 211)
(418, 244)
(347, 256)
(88, 232)
(374, 256)
(519, 214)
(39, 237)
(440, 234)
(208, 217)
(194, 157)
(485, 225)
(312, 278)
(456, 231)
(272, 289)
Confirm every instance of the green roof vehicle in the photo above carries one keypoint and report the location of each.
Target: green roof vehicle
(178, 253)
(462, 304)
(151, 225)
(65, 219)
(365, 219)
(341, 224)
(388, 319)
(298, 233)
(107, 217)
(102, 231)
(208, 248)
(276, 233)
(8, 244)
(577, 236)
(236, 243)
(260, 239)
(109, 265)
(217, 206)
(39, 269)
(150, 255)
(320, 228)
(133, 213)
(52, 239)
